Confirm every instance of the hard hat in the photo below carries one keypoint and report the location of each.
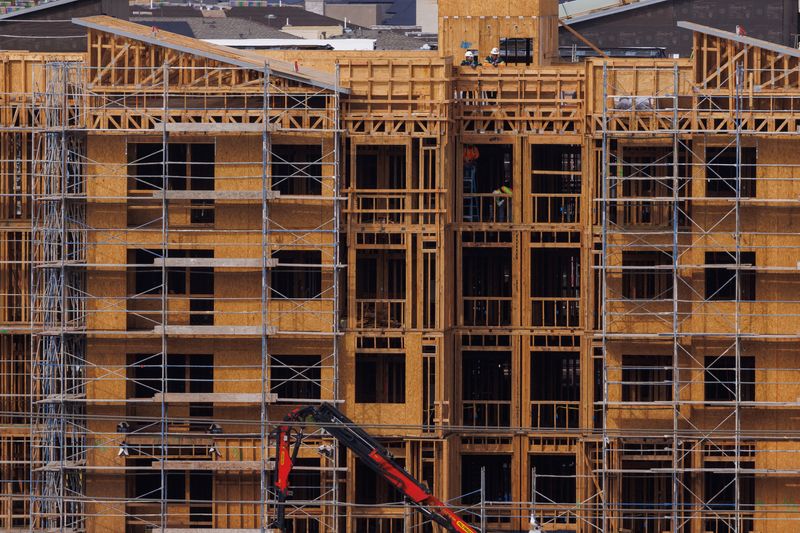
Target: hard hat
(494, 52)
(468, 53)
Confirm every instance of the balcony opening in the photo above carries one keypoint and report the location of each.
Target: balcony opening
(185, 373)
(191, 287)
(298, 275)
(201, 498)
(555, 387)
(556, 183)
(720, 378)
(646, 378)
(486, 286)
(646, 493)
(380, 378)
(647, 275)
(720, 497)
(498, 478)
(488, 182)
(555, 286)
(722, 172)
(380, 167)
(146, 484)
(380, 288)
(306, 483)
(555, 478)
(721, 279)
(297, 169)
(296, 377)
(486, 388)
(648, 180)
(189, 166)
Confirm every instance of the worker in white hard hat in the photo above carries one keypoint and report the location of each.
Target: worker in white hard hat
(494, 58)
(469, 59)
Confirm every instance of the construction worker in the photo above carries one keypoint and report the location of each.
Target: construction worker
(494, 58)
(503, 201)
(470, 60)
(471, 207)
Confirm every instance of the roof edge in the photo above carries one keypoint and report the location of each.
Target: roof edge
(742, 39)
(608, 11)
(37, 7)
(243, 60)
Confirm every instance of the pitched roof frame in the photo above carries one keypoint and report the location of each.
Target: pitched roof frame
(223, 54)
(742, 39)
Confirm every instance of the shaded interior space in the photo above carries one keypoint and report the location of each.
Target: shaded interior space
(306, 482)
(486, 286)
(380, 288)
(720, 384)
(647, 494)
(555, 286)
(646, 378)
(296, 169)
(15, 276)
(190, 289)
(721, 279)
(554, 477)
(147, 376)
(647, 275)
(297, 276)
(486, 383)
(189, 167)
(497, 468)
(646, 178)
(380, 378)
(189, 494)
(380, 167)
(724, 178)
(556, 183)
(555, 388)
(295, 377)
(15, 373)
(487, 169)
(381, 175)
(719, 495)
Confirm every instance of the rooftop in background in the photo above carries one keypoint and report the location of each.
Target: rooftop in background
(274, 16)
(651, 23)
(214, 28)
(578, 8)
(263, 26)
(46, 26)
(392, 39)
(296, 44)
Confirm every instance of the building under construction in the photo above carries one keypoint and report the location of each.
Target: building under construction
(566, 290)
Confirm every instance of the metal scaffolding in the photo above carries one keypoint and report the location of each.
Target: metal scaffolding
(76, 413)
(58, 318)
(676, 353)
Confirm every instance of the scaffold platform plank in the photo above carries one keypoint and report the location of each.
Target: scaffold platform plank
(214, 331)
(214, 466)
(214, 262)
(213, 397)
(216, 195)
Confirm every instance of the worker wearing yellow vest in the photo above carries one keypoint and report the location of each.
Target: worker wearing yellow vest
(503, 201)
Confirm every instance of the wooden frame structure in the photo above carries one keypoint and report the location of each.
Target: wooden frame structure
(218, 236)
